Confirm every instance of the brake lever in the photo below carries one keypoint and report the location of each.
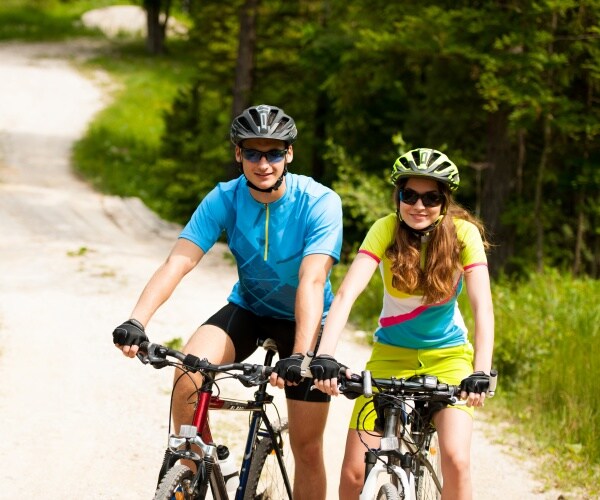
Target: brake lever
(155, 355)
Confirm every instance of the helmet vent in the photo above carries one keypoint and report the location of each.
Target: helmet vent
(433, 158)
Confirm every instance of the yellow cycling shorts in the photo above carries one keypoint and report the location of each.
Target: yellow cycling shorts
(450, 365)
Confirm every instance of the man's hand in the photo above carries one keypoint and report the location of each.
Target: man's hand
(288, 370)
(474, 387)
(129, 334)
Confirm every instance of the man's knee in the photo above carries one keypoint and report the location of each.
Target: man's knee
(307, 448)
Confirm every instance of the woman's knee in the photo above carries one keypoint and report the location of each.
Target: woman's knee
(351, 481)
(456, 463)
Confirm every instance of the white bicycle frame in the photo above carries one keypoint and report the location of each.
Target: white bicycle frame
(370, 487)
(406, 480)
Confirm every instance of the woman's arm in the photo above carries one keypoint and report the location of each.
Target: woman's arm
(480, 297)
(354, 283)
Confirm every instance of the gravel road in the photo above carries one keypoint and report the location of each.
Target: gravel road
(78, 419)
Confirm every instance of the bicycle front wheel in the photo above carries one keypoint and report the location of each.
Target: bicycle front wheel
(265, 477)
(175, 485)
(388, 492)
(430, 469)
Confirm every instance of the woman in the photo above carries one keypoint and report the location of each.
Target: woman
(425, 251)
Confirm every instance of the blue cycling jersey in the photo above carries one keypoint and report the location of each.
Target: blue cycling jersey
(269, 241)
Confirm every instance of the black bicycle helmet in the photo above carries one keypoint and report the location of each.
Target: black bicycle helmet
(263, 122)
(425, 162)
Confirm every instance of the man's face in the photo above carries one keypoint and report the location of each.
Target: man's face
(259, 170)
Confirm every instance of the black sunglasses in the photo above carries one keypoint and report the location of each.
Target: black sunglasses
(429, 199)
(272, 156)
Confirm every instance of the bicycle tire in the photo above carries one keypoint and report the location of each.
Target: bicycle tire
(426, 487)
(388, 492)
(265, 479)
(175, 484)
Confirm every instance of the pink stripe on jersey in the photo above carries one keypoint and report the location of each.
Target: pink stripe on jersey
(401, 318)
(372, 255)
(475, 265)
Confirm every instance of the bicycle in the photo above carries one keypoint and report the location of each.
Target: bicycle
(264, 471)
(409, 450)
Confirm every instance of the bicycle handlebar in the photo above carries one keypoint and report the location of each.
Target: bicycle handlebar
(358, 385)
(157, 355)
(426, 386)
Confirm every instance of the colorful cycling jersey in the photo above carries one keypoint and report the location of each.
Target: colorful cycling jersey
(405, 321)
(269, 241)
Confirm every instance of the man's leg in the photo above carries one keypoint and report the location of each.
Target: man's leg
(307, 425)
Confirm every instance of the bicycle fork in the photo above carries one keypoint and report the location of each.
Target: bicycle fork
(390, 448)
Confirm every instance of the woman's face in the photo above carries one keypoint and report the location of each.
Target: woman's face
(418, 216)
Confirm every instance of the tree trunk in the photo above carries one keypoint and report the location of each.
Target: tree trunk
(521, 161)
(155, 30)
(244, 67)
(245, 58)
(539, 185)
(579, 237)
(318, 164)
(498, 183)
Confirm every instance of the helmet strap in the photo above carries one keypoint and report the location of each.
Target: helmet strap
(274, 187)
(420, 233)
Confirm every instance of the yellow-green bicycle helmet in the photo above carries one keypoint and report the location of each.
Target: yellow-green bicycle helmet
(428, 163)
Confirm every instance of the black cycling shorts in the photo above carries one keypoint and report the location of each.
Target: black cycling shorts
(245, 329)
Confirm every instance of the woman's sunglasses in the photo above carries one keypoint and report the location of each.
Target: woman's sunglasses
(429, 199)
(272, 156)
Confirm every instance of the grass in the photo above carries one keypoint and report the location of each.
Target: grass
(547, 334)
(47, 20)
(121, 146)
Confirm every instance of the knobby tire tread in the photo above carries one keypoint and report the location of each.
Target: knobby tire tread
(388, 492)
(263, 449)
(426, 487)
(175, 477)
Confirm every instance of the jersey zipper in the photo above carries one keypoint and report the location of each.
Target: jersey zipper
(266, 232)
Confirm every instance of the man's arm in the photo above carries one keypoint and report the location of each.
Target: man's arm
(184, 256)
(309, 300)
(313, 273)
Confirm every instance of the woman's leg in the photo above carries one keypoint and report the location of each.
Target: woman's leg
(352, 475)
(454, 428)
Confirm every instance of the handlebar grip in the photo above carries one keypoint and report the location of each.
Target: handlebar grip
(493, 383)
(367, 383)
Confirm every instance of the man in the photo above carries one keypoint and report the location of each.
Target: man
(285, 232)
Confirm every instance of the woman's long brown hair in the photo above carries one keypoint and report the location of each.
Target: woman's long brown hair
(436, 280)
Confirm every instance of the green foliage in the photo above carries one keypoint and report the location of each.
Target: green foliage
(175, 343)
(365, 197)
(187, 158)
(546, 351)
(120, 151)
(34, 20)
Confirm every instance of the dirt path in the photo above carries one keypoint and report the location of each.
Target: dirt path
(78, 420)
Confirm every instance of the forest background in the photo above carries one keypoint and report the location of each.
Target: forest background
(507, 89)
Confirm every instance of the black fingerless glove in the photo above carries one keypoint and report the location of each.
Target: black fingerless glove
(130, 333)
(289, 368)
(324, 367)
(477, 382)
